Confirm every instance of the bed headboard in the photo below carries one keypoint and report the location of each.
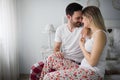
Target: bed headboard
(113, 36)
(112, 23)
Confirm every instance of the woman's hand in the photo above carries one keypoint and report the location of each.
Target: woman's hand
(82, 42)
(85, 32)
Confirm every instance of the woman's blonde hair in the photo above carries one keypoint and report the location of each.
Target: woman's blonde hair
(94, 12)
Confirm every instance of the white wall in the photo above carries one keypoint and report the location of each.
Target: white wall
(33, 15)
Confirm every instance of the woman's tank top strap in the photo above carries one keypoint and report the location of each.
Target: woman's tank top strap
(98, 31)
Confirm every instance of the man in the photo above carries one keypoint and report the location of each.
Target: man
(68, 35)
(67, 52)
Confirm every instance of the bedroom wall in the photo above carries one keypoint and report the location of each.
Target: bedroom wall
(33, 15)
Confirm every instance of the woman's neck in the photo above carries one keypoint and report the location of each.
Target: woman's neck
(94, 29)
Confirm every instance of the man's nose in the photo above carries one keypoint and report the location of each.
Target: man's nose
(80, 20)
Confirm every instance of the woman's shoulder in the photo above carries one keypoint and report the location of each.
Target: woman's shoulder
(99, 33)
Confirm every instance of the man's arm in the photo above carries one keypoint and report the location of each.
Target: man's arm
(57, 51)
(57, 46)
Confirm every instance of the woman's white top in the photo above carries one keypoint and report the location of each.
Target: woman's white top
(100, 67)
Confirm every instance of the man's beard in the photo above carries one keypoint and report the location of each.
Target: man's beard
(77, 24)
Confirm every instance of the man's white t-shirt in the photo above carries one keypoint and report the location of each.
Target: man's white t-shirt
(70, 42)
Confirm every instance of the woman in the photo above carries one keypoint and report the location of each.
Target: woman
(93, 46)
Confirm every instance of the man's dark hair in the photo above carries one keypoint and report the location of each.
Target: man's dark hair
(72, 7)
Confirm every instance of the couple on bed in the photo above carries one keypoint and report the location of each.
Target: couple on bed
(79, 52)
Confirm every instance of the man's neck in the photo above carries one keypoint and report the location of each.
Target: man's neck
(70, 27)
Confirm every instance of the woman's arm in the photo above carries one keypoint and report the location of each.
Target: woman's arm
(97, 49)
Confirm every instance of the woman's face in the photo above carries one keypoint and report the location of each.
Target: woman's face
(86, 22)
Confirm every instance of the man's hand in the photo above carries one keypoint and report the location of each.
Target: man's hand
(59, 55)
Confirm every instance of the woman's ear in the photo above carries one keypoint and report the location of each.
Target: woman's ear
(90, 19)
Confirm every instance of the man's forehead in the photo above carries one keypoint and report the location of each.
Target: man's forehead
(77, 13)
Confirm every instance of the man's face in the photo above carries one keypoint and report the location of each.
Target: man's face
(76, 18)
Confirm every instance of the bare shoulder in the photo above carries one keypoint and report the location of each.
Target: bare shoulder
(100, 35)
